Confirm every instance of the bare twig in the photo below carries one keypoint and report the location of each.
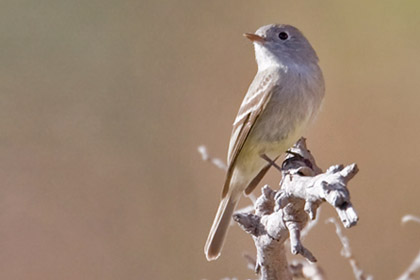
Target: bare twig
(410, 218)
(415, 265)
(306, 270)
(284, 213)
(206, 157)
(311, 224)
(410, 272)
(346, 252)
(250, 260)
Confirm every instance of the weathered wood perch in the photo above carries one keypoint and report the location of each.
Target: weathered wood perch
(284, 213)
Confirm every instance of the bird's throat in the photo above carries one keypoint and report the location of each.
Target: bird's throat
(266, 59)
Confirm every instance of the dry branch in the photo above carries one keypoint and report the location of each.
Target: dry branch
(207, 157)
(283, 214)
(359, 274)
(415, 265)
(307, 270)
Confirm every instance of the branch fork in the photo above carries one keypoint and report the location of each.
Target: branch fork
(283, 214)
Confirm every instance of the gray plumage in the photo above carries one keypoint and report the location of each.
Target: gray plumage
(283, 98)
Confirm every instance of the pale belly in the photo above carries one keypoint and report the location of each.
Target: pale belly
(292, 106)
(250, 160)
(282, 123)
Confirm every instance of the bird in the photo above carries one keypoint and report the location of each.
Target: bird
(284, 97)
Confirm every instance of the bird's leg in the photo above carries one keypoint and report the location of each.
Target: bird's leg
(271, 162)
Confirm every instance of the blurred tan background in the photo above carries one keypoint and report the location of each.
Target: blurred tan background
(103, 104)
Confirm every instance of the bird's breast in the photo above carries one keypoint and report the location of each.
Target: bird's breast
(293, 104)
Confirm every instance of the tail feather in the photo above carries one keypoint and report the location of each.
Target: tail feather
(220, 227)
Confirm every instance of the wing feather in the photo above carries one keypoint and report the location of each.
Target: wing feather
(251, 108)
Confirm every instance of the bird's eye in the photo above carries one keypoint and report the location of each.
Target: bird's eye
(283, 36)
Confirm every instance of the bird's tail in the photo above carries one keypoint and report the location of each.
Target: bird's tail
(220, 227)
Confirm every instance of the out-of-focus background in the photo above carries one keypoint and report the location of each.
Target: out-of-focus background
(103, 104)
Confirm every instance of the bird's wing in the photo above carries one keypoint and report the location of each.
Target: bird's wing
(252, 106)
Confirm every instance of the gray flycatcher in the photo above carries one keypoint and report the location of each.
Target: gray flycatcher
(283, 98)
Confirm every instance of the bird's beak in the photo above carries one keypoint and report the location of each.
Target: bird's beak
(254, 37)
